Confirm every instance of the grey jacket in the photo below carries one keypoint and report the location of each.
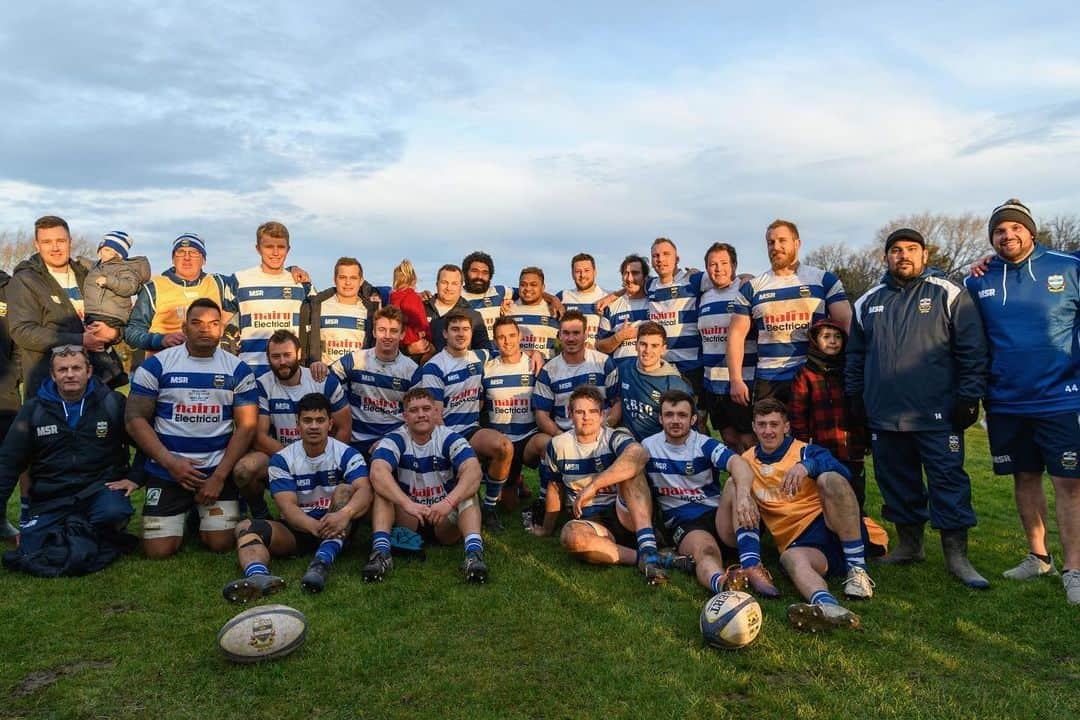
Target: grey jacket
(914, 350)
(123, 280)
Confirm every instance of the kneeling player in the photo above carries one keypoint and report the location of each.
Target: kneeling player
(320, 486)
(602, 470)
(805, 499)
(682, 469)
(426, 478)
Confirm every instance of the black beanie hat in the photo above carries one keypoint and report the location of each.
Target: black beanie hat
(1015, 211)
(904, 234)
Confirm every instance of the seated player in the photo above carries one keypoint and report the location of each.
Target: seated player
(280, 389)
(642, 383)
(425, 477)
(805, 500)
(320, 485)
(683, 471)
(454, 378)
(508, 385)
(602, 471)
(192, 410)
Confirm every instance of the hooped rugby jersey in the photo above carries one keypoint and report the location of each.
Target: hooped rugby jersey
(489, 305)
(70, 287)
(781, 309)
(195, 401)
(539, 330)
(686, 478)
(675, 306)
(584, 301)
(623, 309)
(374, 390)
(313, 479)
(426, 472)
(508, 389)
(715, 309)
(278, 401)
(557, 379)
(343, 328)
(265, 303)
(456, 383)
(573, 464)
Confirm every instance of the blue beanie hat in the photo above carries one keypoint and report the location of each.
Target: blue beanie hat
(189, 240)
(119, 241)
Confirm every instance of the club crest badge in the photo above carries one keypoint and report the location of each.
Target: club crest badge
(954, 443)
(1055, 283)
(286, 293)
(219, 381)
(102, 429)
(924, 305)
(804, 291)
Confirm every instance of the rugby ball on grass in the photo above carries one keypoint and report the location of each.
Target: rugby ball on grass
(262, 633)
(731, 620)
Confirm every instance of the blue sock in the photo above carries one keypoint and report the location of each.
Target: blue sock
(646, 542)
(492, 488)
(541, 494)
(24, 509)
(328, 550)
(380, 541)
(749, 544)
(474, 543)
(823, 597)
(716, 582)
(256, 568)
(854, 553)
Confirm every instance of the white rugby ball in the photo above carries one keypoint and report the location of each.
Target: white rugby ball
(731, 620)
(262, 633)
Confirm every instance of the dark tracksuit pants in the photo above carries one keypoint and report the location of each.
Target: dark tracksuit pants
(899, 461)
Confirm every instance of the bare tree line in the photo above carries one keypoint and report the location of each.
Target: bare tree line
(19, 245)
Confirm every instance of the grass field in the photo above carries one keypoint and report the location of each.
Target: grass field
(546, 638)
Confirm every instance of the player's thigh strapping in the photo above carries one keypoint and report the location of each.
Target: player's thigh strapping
(167, 504)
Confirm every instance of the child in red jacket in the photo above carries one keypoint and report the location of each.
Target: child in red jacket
(819, 412)
(416, 339)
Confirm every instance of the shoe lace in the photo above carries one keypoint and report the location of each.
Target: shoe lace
(858, 576)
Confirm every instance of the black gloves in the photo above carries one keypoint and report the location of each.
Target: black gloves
(965, 413)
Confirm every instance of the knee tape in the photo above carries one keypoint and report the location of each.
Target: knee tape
(155, 528)
(464, 505)
(222, 515)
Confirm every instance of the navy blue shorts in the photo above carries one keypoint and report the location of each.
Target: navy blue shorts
(1026, 443)
(819, 536)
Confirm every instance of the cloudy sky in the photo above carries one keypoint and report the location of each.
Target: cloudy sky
(422, 130)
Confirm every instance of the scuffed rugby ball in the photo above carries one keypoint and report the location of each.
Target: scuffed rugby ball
(731, 620)
(262, 633)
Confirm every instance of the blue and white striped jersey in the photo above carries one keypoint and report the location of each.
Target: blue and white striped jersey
(715, 309)
(508, 389)
(584, 302)
(782, 308)
(623, 309)
(195, 400)
(313, 479)
(685, 478)
(573, 464)
(70, 286)
(456, 383)
(342, 328)
(427, 472)
(374, 390)
(279, 401)
(539, 330)
(265, 303)
(489, 305)
(557, 380)
(675, 306)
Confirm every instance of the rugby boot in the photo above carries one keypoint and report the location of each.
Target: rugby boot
(474, 568)
(755, 578)
(378, 566)
(910, 548)
(490, 518)
(858, 585)
(314, 579)
(1071, 580)
(805, 617)
(649, 566)
(954, 543)
(672, 560)
(251, 588)
(1030, 568)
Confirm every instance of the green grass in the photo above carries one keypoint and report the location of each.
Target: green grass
(546, 638)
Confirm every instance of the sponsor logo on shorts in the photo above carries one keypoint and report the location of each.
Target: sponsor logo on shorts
(924, 305)
(47, 430)
(988, 292)
(1055, 283)
(954, 443)
(102, 429)
(153, 497)
(1002, 459)
(1068, 460)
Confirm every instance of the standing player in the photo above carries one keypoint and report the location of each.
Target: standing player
(489, 300)
(715, 310)
(337, 321)
(642, 384)
(375, 381)
(585, 295)
(683, 469)
(426, 477)
(673, 302)
(508, 386)
(321, 486)
(267, 297)
(781, 305)
(575, 366)
(602, 471)
(448, 297)
(617, 334)
(532, 315)
(192, 410)
(454, 379)
(279, 391)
